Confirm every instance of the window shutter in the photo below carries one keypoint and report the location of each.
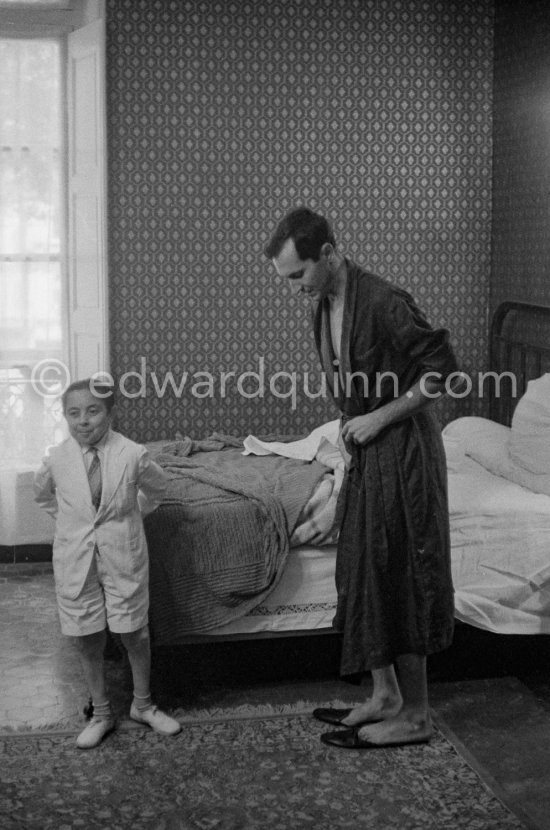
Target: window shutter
(87, 225)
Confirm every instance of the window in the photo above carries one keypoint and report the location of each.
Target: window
(53, 263)
(53, 240)
(32, 244)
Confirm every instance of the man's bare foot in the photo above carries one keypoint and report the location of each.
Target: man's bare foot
(374, 709)
(405, 727)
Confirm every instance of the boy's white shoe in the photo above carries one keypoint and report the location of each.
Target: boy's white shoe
(94, 733)
(157, 720)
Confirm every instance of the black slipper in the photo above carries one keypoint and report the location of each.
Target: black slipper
(334, 716)
(337, 717)
(349, 739)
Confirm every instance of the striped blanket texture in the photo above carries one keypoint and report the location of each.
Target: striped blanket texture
(218, 543)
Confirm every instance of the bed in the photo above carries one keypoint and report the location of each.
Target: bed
(245, 544)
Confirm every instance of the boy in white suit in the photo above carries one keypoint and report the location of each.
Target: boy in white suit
(90, 484)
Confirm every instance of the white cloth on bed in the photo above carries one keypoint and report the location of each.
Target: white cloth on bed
(316, 524)
(500, 534)
(318, 521)
(305, 449)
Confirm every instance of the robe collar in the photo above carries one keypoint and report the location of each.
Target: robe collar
(332, 366)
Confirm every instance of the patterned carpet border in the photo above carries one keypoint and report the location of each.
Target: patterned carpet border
(240, 773)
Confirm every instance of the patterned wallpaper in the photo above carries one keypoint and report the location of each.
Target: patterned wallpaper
(223, 114)
(521, 210)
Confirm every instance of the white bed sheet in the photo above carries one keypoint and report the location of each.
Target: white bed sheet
(500, 548)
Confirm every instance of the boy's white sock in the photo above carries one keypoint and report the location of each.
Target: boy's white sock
(102, 710)
(142, 703)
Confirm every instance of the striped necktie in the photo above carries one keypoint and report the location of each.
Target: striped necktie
(94, 477)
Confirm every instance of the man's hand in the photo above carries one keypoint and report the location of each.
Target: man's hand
(363, 428)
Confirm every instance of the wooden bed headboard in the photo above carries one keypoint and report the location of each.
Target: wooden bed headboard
(519, 343)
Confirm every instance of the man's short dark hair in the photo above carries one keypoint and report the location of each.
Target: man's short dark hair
(309, 231)
(100, 389)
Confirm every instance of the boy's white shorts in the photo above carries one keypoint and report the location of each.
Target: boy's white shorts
(99, 605)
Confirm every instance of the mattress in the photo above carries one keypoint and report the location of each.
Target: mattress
(303, 601)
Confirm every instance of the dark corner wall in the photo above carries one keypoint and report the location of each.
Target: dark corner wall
(222, 115)
(520, 268)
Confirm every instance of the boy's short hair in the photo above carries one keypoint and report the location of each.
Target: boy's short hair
(100, 389)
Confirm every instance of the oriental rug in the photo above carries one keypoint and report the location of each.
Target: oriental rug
(239, 773)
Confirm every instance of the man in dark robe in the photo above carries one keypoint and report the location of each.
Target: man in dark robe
(386, 366)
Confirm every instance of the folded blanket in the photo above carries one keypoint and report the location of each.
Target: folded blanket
(219, 541)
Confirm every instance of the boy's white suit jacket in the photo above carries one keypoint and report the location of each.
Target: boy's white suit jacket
(61, 487)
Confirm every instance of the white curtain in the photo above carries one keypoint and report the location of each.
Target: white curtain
(32, 305)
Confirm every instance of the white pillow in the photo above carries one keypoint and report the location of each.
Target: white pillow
(488, 443)
(530, 438)
(454, 453)
(483, 440)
